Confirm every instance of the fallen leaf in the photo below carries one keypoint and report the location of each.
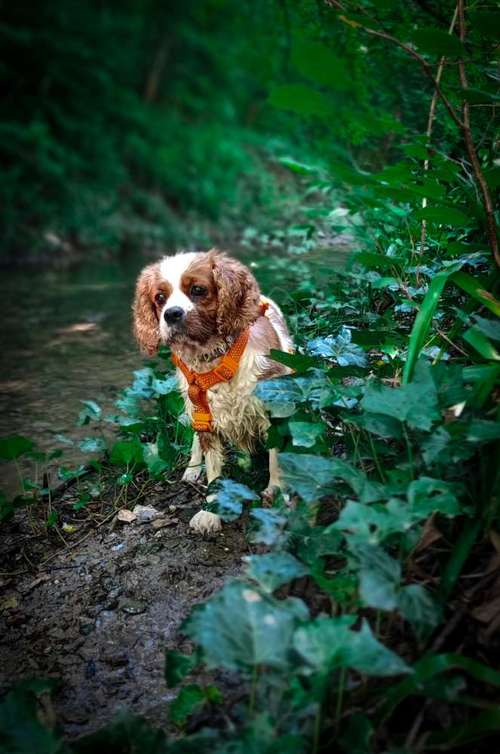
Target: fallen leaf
(9, 603)
(126, 516)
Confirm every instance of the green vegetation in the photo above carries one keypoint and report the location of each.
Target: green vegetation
(344, 628)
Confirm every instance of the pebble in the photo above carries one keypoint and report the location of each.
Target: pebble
(145, 513)
(133, 607)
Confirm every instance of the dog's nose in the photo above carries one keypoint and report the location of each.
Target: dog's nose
(173, 315)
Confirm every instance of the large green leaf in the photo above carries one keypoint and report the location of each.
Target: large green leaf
(437, 42)
(229, 498)
(305, 434)
(241, 628)
(14, 446)
(328, 643)
(313, 476)
(274, 569)
(318, 63)
(420, 609)
(416, 403)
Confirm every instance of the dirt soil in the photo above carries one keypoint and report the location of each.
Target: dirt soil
(100, 613)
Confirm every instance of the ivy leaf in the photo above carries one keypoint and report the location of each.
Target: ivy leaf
(419, 609)
(274, 569)
(305, 434)
(126, 452)
(340, 348)
(90, 412)
(14, 446)
(190, 699)
(313, 476)
(443, 216)
(229, 498)
(240, 628)
(270, 526)
(280, 396)
(415, 403)
(379, 577)
(92, 445)
(178, 666)
(155, 464)
(426, 496)
(327, 643)
(482, 430)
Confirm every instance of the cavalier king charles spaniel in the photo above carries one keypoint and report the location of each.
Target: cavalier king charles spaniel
(208, 308)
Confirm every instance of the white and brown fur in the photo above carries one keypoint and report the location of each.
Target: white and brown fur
(211, 322)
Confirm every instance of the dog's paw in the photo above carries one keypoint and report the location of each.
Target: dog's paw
(271, 492)
(268, 495)
(205, 522)
(192, 474)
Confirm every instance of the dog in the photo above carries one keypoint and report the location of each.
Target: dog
(208, 308)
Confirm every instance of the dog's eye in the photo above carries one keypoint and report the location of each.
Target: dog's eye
(160, 299)
(198, 290)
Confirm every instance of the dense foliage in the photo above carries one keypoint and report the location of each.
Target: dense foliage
(348, 630)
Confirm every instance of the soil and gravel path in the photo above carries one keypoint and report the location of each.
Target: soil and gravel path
(99, 615)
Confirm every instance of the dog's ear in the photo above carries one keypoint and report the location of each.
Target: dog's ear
(146, 325)
(238, 294)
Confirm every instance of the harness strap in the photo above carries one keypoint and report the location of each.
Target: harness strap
(200, 382)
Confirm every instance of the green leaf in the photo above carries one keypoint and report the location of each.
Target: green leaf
(301, 99)
(340, 348)
(241, 628)
(14, 446)
(189, 699)
(91, 412)
(489, 327)
(318, 63)
(313, 476)
(426, 496)
(155, 464)
(295, 361)
(178, 666)
(480, 342)
(229, 498)
(420, 609)
(415, 403)
(443, 216)
(328, 643)
(379, 577)
(274, 569)
(482, 430)
(423, 322)
(271, 525)
(298, 167)
(92, 445)
(126, 452)
(21, 731)
(475, 288)
(305, 434)
(437, 42)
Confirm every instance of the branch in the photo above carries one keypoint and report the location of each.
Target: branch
(471, 149)
(426, 67)
(463, 123)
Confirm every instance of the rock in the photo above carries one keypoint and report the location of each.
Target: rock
(133, 607)
(145, 513)
(115, 658)
(126, 516)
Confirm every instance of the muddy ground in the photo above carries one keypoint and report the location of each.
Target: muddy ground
(100, 612)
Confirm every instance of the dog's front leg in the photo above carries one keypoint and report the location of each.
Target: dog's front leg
(275, 478)
(194, 468)
(205, 522)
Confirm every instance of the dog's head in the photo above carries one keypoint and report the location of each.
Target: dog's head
(193, 299)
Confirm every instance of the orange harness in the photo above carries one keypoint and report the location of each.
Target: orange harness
(200, 382)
